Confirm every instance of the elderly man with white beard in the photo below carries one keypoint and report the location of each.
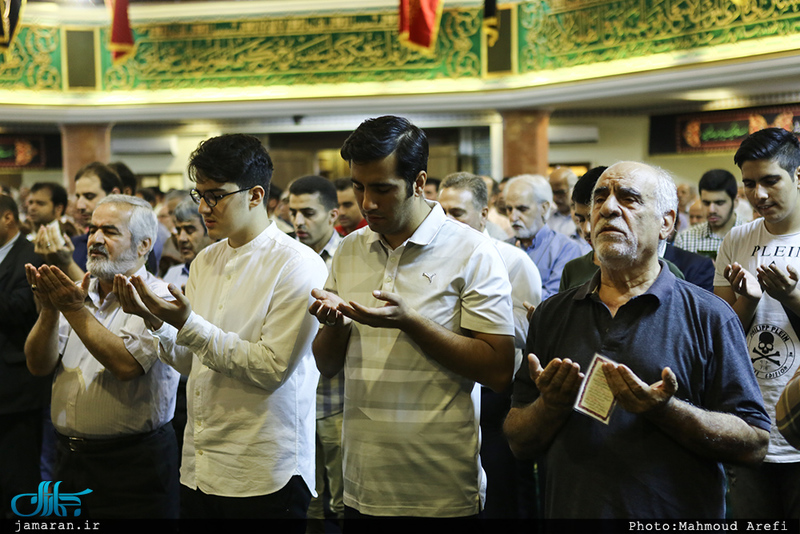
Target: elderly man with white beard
(112, 397)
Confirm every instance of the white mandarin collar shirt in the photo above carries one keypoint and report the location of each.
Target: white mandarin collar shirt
(246, 348)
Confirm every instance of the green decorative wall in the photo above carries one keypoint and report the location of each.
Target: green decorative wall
(330, 50)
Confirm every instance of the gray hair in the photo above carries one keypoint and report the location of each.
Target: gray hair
(665, 191)
(470, 182)
(187, 211)
(542, 191)
(143, 223)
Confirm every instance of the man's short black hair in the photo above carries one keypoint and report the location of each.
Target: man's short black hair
(582, 192)
(109, 180)
(434, 182)
(308, 185)
(126, 175)
(58, 195)
(719, 180)
(773, 144)
(7, 203)
(343, 184)
(232, 158)
(376, 139)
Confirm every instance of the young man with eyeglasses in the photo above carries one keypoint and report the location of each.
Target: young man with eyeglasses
(244, 338)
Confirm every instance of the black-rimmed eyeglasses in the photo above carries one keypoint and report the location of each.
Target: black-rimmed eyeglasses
(211, 198)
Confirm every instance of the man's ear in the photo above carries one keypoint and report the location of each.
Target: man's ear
(256, 196)
(333, 215)
(667, 223)
(144, 247)
(419, 183)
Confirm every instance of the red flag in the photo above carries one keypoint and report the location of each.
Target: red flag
(419, 23)
(121, 45)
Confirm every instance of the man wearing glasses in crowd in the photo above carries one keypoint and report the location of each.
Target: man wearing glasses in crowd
(244, 338)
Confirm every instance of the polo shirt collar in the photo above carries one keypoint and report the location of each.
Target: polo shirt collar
(660, 289)
(331, 246)
(425, 232)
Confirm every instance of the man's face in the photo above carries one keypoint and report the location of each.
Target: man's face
(559, 183)
(770, 189)
(685, 196)
(110, 250)
(382, 196)
(524, 212)
(229, 218)
(88, 192)
(349, 214)
(430, 191)
(696, 213)
(459, 204)
(625, 225)
(192, 238)
(7, 227)
(582, 217)
(41, 209)
(313, 224)
(717, 208)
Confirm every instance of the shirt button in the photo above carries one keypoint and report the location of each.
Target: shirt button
(200, 453)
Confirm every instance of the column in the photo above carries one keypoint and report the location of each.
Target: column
(525, 142)
(82, 144)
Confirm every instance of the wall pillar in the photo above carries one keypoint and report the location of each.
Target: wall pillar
(525, 142)
(82, 144)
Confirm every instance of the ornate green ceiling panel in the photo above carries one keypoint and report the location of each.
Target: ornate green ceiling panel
(292, 51)
(34, 61)
(566, 33)
(321, 52)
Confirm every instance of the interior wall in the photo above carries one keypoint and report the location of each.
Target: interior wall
(626, 138)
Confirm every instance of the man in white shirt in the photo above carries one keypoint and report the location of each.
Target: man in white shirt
(417, 309)
(464, 197)
(112, 398)
(313, 208)
(756, 273)
(244, 338)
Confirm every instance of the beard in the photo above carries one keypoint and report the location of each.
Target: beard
(105, 268)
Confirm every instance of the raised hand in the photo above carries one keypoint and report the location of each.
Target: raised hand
(61, 290)
(131, 302)
(558, 383)
(394, 314)
(635, 395)
(326, 308)
(174, 312)
(742, 281)
(778, 284)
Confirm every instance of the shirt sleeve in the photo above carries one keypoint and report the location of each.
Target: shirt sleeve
(486, 305)
(724, 258)
(732, 385)
(266, 362)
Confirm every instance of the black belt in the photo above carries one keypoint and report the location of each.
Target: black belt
(102, 444)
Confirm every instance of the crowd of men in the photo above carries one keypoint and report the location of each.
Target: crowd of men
(383, 354)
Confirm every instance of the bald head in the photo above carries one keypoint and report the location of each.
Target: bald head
(562, 180)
